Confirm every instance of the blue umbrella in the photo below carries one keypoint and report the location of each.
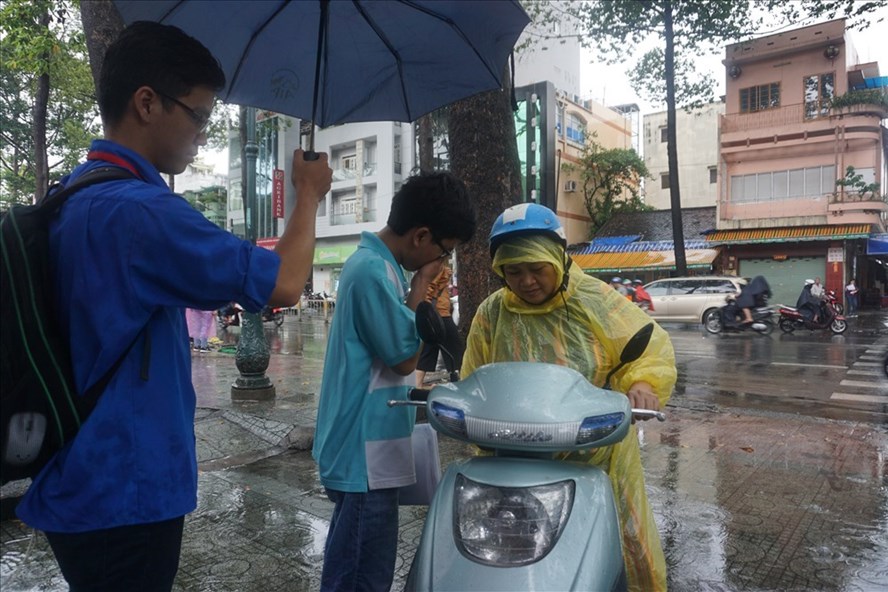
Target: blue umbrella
(340, 61)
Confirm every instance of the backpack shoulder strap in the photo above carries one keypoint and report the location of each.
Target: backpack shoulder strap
(54, 199)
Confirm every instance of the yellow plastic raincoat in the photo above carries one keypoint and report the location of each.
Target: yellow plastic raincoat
(584, 329)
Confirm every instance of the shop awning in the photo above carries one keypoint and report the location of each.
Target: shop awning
(614, 240)
(333, 254)
(788, 235)
(642, 260)
(877, 244)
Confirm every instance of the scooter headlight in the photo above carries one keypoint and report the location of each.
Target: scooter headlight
(509, 526)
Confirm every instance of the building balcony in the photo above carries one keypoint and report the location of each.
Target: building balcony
(368, 170)
(771, 132)
(792, 116)
(838, 208)
(867, 206)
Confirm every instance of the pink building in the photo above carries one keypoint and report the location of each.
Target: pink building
(784, 142)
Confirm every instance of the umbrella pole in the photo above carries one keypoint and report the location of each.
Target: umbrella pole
(322, 45)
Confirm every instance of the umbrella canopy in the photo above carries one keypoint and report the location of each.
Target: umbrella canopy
(370, 60)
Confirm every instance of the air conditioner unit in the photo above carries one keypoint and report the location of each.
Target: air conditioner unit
(570, 186)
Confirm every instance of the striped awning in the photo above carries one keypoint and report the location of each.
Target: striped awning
(642, 260)
(788, 235)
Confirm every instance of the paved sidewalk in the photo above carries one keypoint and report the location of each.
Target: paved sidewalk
(745, 500)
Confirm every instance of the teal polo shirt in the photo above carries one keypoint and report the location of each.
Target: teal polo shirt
(360, 442)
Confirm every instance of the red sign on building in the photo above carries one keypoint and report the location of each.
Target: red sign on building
(277, 194)
(267, 242)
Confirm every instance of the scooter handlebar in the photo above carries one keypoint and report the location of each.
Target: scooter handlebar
(650, 413)
(417, 397)
(419, 394)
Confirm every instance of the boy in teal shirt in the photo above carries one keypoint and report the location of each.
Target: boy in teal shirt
(362, 446)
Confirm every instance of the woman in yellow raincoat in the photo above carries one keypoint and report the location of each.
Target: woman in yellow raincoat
(550, 312)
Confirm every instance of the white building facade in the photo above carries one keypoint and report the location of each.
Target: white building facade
(370, 162)
(698, 150)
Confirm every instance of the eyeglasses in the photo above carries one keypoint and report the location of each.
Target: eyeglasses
(201, 121)
(445, 253)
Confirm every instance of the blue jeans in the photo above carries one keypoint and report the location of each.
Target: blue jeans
(852, 303)
(362, 542)
(137, 558)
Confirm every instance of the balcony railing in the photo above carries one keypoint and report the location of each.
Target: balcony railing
(346, 174)
(851, 197)
(791, 115)
(777, 117)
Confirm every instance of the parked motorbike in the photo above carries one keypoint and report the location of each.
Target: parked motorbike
(830, 298)
(273, 315)
(730, 318)
(230, 316)
(829, 318)
(521, 519)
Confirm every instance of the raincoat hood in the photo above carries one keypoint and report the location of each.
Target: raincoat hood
(533, 249)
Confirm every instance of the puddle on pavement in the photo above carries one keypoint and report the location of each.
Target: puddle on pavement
(770, 501)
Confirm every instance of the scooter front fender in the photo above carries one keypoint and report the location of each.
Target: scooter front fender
(587, 555)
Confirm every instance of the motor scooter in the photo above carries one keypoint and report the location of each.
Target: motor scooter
(728, 318)
(829, 318)
(520, 519)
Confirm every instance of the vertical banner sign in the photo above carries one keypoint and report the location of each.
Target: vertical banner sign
(277, 194)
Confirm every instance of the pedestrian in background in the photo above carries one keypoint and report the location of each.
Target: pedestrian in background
(362, 446)
(817, 289)
(205, 322)
(616, 284)
(439, 295)
(851, 294)
(128, 257)
(630, 291)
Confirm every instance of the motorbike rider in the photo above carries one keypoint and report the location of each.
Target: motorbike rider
(755, 294)
(545, 313)
(642, 298)
(808, 304)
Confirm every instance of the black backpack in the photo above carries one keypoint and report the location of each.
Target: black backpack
(40, 409)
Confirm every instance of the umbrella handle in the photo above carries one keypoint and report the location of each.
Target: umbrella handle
(310, 155)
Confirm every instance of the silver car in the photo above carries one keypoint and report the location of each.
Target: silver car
(689, 299)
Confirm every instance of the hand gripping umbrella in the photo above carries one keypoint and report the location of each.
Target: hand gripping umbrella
(340, 61)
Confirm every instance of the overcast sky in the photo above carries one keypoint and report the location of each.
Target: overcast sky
(609, 84)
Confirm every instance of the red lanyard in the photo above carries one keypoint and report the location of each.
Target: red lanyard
(113, 159)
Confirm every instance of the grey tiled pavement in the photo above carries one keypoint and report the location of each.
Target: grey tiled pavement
(745, 500)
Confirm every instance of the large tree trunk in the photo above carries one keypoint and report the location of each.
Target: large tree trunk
(681, 265)
(426, 142)
(101, 26)
(484, 154)
(38, 125)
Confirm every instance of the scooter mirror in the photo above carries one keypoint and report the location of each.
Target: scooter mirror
(429, 324)
(632, 350)
(637, 344)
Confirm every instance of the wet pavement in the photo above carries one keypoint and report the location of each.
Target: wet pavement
(749, 492)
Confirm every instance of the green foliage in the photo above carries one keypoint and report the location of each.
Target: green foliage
(611, 178)
(692, 88)
(873, 96)
(853, 182)
(28, 50)
(857, 12)
(617, 28)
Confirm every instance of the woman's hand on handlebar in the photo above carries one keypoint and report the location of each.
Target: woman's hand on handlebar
(641, 396)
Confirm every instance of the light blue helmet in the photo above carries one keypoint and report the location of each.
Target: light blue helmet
(526, 218)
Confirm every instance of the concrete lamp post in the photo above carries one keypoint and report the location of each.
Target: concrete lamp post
(252, 354)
